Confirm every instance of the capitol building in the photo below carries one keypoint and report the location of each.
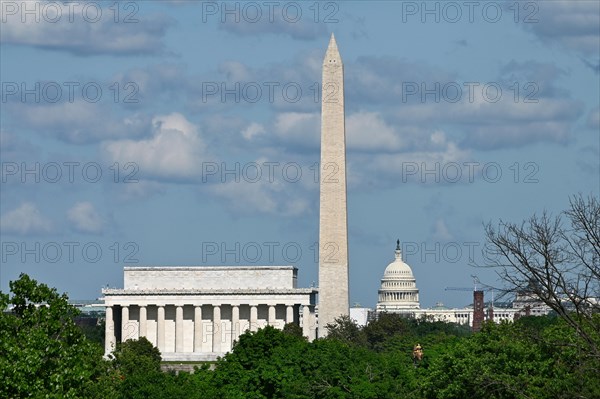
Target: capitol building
(399, 294)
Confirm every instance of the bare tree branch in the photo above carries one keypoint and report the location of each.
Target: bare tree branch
(557, 262)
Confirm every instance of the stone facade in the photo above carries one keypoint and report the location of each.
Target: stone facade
(333, 229)
(196, 313)
(210, 278)
(398, 292)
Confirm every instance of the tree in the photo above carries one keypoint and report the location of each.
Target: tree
(346, 330)
(385, 327)
(557, 262)
(137, 355)
(293, 329)
(42, 352)
(262, 364)
(509, 360)
(137, 367)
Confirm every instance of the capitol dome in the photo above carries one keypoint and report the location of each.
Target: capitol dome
(398, 292)
(398, 269)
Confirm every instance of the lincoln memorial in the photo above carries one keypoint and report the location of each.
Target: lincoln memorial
(196, 313)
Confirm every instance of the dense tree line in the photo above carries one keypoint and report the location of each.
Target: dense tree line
(43, 354)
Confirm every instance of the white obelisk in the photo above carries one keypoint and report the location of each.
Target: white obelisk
(333, 229)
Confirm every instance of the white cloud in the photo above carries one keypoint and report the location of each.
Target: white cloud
(153, 84)
(450, 153)
(258, 20)
(284, 86)
(283, 188)
(506, 123)
(368, 131)
(298, 128)
(84, 218)
(79, 121)
(376, 80)
(235, 71)
(14, 147)
(253, 130)
(365, 131)
(573, 24)
(263, 197)
(401, 167)
(175, 152)
(26, 219)
(83, 28)
(141, 190)
(441, 231)
(377, 150)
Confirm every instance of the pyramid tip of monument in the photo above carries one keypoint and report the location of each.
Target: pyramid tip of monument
(332, 42)
(332, 50)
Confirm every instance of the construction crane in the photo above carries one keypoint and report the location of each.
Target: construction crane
(487, 289)
(469, 289)
(482, 287)
(475, 283)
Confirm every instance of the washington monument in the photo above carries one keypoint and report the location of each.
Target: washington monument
(333, 225)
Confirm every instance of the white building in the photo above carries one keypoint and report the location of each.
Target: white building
(527, 304)
(399, 294)
(196, 313)
(360, 315)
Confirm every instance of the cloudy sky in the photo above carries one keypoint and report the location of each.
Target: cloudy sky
(187, 133)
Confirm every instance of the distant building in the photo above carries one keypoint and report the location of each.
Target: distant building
(362, 316)
(196, 313)
(88, 307)
(399, 294)
(527, 304)
(478, 310)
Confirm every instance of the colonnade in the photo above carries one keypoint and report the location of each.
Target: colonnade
(397, 296)
(133, 329)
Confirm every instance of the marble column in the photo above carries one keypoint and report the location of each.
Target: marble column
(198, 329)
(253, 318)
(160, 329)
(306, 321)
(143, 321)
(235, 323)
(312, 326)
(289, 314)
(109, 331)
(217, 329)
(271, 320)
(125, 331)
(179, 329)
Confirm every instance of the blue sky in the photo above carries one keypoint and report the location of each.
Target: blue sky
(187, 133)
